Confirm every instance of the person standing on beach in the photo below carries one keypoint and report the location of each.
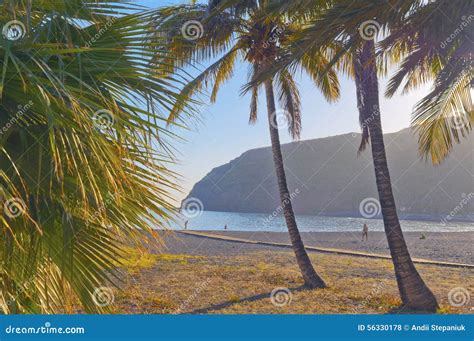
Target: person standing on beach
(365, 232)
(186, 225)
(225, 227)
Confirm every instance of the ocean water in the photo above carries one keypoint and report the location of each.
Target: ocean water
(209, 220)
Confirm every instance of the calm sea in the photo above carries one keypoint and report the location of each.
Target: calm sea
(208, 220)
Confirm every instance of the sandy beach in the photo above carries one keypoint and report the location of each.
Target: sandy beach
(196, 275)
(439, 246)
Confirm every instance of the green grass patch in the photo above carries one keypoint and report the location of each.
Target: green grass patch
(135, 259)
(181, 259)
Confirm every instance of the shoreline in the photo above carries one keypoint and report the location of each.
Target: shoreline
(433, 218)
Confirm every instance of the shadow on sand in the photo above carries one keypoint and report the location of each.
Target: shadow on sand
(397, 310)
(243, 300)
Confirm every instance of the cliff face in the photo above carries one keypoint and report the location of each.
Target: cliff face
(326, 176)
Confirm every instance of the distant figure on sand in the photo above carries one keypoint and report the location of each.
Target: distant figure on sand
(365, 232)
(225, 227)
(186, 225)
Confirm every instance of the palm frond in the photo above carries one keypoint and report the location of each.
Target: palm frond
(254, 97)
(85, 169)
(289, 98)
(445, 115)
(215, 74)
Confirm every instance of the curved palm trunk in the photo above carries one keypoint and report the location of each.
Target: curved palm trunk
(311, 278)
(413, 290)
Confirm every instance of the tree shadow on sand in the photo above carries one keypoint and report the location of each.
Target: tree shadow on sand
(243, 300)
(396, 310)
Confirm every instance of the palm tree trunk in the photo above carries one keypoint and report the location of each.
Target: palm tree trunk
(311, 278)
(413, 290)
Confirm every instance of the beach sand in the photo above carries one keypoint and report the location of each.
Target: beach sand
(204, 276)
(440, 246)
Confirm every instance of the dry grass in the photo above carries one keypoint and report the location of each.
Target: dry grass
(242, 285)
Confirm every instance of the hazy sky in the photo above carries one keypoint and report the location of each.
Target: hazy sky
(222, 133)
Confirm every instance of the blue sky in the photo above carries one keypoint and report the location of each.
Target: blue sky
(222, 132)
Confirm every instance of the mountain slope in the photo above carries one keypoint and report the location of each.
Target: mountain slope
(326, 176)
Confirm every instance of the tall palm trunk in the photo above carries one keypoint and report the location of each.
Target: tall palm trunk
(413, 290)
(311, 278)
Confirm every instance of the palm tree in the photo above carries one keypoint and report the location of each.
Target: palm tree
(242, 32)
(413, 291)
(78, 175)
(422, 39)
(340, 26)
